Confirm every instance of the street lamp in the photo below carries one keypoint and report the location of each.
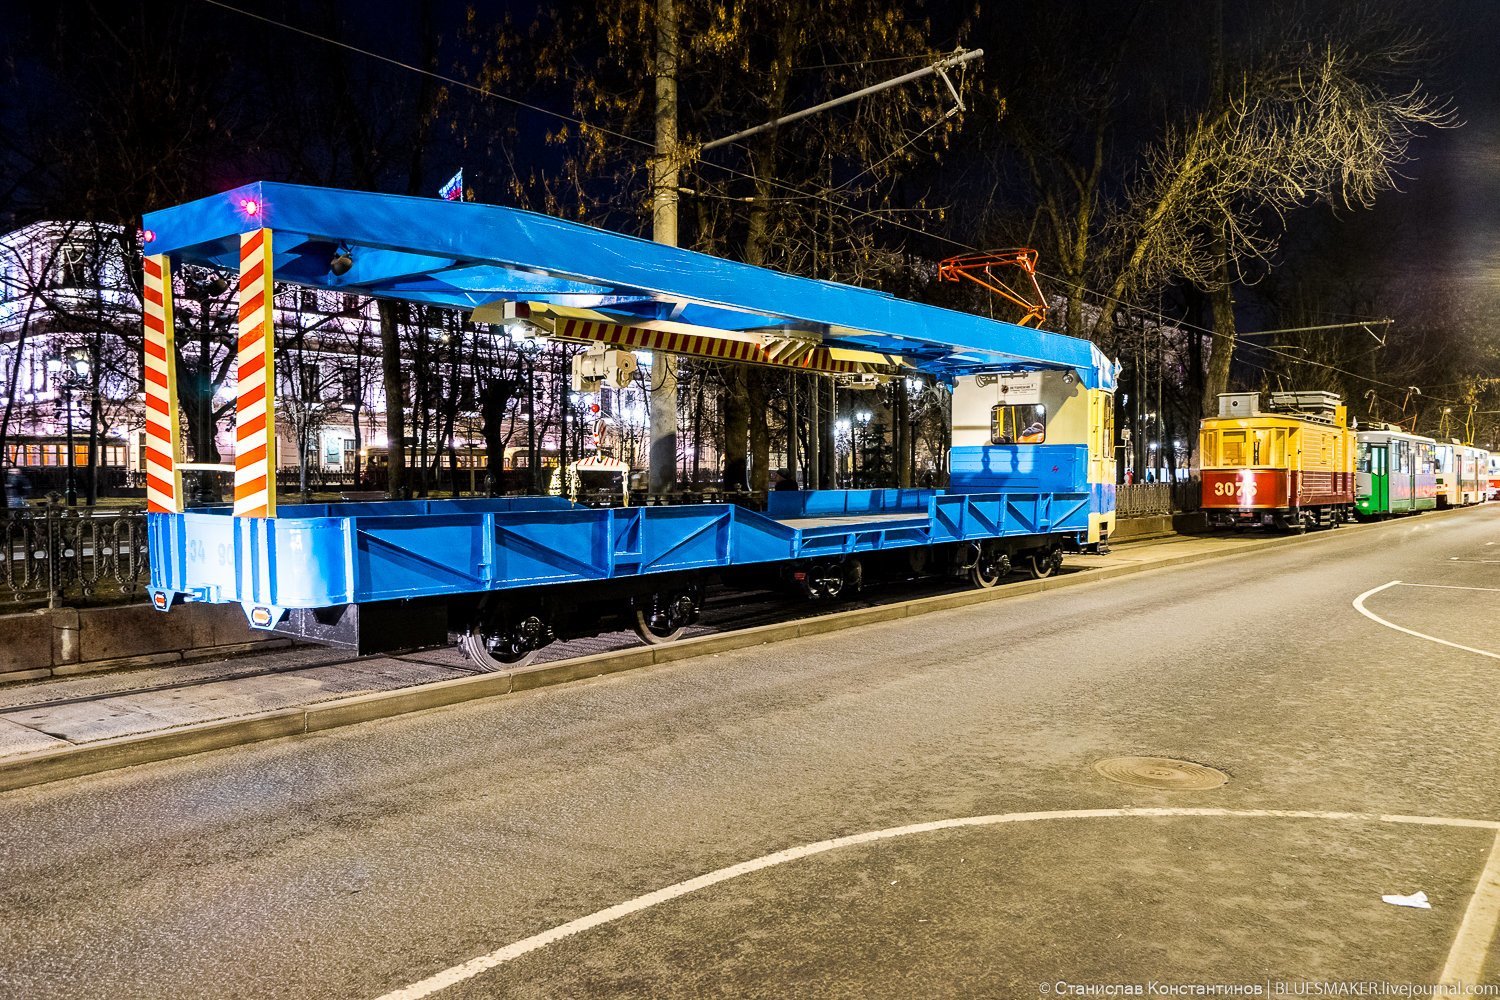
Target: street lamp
(857, 441)
(72, 373)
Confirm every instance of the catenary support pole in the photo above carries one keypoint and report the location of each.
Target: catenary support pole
(662, 457)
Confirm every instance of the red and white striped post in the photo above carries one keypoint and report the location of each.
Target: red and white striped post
(163, 431)
(255, 394)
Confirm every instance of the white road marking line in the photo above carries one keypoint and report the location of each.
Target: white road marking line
(1449, 586)
(468, 970)
(1466, 958)
(1359, 605)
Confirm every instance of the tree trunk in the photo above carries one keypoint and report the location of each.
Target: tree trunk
(734, 405)
(304, 435)
(359, 398)
(395, 399)
(901, 435)
(1221, 351)
(697, 421)
(760, 430)
(791, 427)
(661, 461)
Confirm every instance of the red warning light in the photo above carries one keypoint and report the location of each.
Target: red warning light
(250, 206)
(593, 407)
(148, 236)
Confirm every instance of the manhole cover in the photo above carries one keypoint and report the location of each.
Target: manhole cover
(1161, 772)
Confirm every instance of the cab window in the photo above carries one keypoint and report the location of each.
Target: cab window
(1268, 446)
(1023, 423)
(1362, 459)
(1233, 449)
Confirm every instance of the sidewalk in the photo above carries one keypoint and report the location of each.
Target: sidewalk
(299, 690)
(50, 715)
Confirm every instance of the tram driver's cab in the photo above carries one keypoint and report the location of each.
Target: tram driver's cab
(1035, 430)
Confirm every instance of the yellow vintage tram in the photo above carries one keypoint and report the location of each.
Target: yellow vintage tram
(1289, 466)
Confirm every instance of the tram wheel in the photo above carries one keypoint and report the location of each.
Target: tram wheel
(1044, 563)
(823, 582)
(665, 617)
(492, 646)
(989, 569)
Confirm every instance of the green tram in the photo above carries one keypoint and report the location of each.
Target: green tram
(1394, 473)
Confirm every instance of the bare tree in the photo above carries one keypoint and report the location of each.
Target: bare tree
(1321, 116)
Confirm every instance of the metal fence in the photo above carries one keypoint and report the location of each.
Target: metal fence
(1157, 499)
(53, 554)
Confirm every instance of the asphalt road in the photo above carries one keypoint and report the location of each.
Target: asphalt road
(365, 860)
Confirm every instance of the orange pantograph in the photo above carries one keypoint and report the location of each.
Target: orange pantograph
(980, 267)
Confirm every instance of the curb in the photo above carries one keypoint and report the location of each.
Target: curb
(126, 751)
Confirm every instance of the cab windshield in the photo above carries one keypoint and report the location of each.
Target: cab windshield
(1022, 423)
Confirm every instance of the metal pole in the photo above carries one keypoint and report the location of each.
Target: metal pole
(958, 58)
(71, 490)
(531, 419)
(833, 431)
(815, 435)
(661, 460)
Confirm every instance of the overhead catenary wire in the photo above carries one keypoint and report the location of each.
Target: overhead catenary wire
(853, 211)
(1184, 324)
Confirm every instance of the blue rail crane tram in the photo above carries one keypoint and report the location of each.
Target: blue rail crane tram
(1032, 462)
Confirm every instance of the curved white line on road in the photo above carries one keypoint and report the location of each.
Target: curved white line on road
(473, 967)
(1359, 605)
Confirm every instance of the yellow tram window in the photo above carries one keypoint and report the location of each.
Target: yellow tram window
(1268, 446)
(1234, 452)
(1022, 423)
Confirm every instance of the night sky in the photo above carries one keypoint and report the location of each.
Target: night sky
(1442, 233)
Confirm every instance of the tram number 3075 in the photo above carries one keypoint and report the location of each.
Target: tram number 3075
(1243, 490)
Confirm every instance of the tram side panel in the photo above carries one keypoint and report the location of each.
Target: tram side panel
(1398, 473)
(1276, 470)
(1448, 459)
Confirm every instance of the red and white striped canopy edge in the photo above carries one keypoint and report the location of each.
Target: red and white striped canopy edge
(163, 494)
(254, 411)
(719, 348)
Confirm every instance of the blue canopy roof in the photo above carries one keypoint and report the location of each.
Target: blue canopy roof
(465, 255)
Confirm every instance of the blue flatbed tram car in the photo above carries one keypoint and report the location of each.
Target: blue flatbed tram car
(1032, 466)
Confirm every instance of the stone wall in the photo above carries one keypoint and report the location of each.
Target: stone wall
(78, 640)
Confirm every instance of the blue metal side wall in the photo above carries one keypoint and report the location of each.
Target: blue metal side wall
(1055, 468)
(324, 555)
